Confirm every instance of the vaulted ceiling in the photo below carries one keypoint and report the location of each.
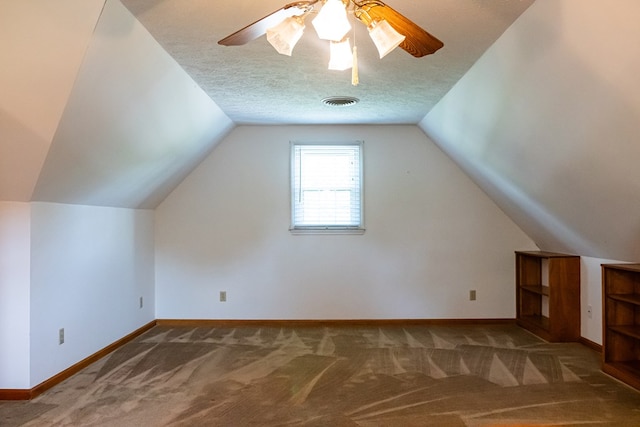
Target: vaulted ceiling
(113, 104)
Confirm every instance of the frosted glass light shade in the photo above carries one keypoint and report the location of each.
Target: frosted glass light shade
(332, 22)
(384, 37)
(341, 57)
(284, 36)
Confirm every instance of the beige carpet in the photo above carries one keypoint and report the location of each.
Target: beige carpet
(491, 375)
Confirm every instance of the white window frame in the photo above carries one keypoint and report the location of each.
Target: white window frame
(297, 228)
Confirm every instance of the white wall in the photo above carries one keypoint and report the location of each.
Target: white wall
(14, 294)
(89, 267)
(432, 235)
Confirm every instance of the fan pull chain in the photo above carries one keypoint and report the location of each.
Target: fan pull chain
(355, 79)
(354, 69)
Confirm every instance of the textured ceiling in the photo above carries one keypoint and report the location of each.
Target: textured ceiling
(253, 84)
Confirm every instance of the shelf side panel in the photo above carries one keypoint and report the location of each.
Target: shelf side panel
(564, 297)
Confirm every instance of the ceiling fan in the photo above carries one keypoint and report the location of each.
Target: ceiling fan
(388, 29)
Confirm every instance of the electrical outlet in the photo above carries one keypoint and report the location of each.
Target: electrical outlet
(472, 295)
(589, 312)
(223, 296)
(61, 336)
(141, 302)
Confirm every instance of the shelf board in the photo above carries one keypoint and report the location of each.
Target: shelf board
(630, 298)
(630, 366)
(544, 254)
(536, 320)
(630, 331)
(540, 290)
(627, 267)
(627, 371)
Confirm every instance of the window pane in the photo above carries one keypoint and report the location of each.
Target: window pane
(326, 185)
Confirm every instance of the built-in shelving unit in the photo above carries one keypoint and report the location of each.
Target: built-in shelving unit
(548, 294)
(621, 322)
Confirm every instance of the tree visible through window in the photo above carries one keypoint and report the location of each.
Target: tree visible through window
(326, 187)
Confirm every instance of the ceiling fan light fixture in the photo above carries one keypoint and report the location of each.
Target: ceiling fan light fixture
(284, 36)
(385, 37)
(332, 22)
(285, 26)
(341, 57)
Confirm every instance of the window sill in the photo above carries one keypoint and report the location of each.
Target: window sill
(327, 230)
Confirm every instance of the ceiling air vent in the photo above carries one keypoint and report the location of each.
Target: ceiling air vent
(340, 101)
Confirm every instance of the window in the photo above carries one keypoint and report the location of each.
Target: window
(326, 188)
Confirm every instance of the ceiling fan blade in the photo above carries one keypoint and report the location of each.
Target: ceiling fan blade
(259, 28)
(418, 42)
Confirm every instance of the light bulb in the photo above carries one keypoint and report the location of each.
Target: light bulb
(385, 37)
(284, 36)
(332, 22)
(341, 57)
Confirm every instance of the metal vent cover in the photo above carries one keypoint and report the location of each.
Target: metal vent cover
(340, 101)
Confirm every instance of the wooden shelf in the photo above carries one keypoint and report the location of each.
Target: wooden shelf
(630, 331)
(632, 366)
(628, 372)
(536, 321)
(548, 294)
(628, 298)
(539, 290)
(621, 322)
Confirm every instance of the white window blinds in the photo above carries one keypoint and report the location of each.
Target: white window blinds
(326, 186)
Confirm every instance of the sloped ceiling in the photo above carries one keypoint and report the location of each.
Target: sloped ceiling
(135, 123)
(118, 124)
(547, 122)
(36, 36)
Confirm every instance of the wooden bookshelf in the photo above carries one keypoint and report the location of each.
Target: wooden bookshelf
(548, 294)
(621, 322)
